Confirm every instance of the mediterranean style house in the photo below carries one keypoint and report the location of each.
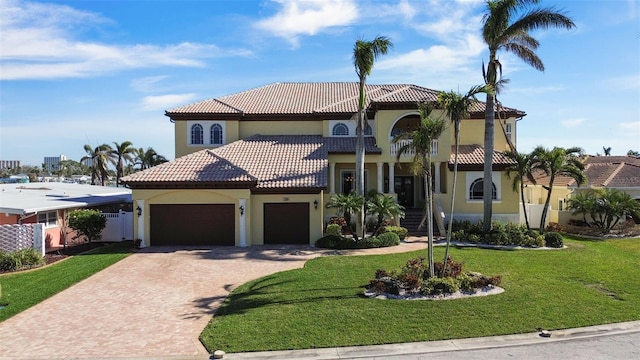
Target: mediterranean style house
(258, 167)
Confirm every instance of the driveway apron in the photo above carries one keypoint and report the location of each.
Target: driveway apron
(155, 303)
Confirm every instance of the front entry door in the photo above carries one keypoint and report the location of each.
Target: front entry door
(403, 186)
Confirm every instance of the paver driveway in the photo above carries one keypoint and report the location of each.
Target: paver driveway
(155, 303)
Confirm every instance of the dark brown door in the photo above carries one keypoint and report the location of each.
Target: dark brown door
(192, 224)
(403, 186)
(286, 223)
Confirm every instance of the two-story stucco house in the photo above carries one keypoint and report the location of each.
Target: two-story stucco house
(258, 167)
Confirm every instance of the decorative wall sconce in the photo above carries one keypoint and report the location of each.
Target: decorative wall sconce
(139, 210)
(315, 204)
(241, 208)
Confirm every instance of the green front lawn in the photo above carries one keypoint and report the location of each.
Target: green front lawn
(321, 305)
(21, 291)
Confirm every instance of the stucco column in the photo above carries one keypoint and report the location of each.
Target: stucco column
(436, 175)
(243, 222)
(392, 175)
(140, 204)
(380, 178)
(332, 178)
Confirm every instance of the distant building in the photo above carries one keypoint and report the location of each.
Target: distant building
(9, 164)
(52, 163)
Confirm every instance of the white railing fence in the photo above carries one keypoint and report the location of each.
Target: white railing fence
(395, 148)
(119, 226)
(17, 237)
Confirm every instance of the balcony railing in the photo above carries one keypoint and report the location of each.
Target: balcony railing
(395, 148)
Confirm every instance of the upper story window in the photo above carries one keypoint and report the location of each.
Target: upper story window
(197, 134)
(508, 130)
(216, 134)
(368, 131)
(48, 218)
(340, 130)
(476, 190)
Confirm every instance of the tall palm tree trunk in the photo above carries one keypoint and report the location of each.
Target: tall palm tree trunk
(453, 197)
(524, 206)
(488, 161)
(429, 204)
(360, 154)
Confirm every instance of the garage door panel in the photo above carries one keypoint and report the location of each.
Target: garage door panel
(286, 223)
(192, 224)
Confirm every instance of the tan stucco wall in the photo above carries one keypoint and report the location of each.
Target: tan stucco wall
(257, 212)
(304, 127)
(195, 196)
(472, 132)
(232, 133)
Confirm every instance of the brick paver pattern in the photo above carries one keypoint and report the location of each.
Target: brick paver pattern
(155, 303)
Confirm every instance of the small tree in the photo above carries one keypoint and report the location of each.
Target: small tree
(346, 205)
(383, 206)
(87, 223)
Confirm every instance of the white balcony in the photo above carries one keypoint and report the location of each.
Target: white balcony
(395, 148)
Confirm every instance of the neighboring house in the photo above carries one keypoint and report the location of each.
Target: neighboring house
(258, 167)
(615, 172)
(49, 203)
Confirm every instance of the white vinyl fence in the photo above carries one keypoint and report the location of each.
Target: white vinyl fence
(119, 226)
(17, 237)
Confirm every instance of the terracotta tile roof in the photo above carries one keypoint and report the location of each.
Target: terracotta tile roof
(311, 98)
(268, 162)
(347, 145)
(473, 155)
(601, 171)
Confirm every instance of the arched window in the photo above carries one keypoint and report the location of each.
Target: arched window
(340, 130)
(197, 134)
(476, 190)
(216, 134)
(368, 131)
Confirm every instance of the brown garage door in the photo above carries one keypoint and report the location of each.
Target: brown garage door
(286, 223)
(192, 224)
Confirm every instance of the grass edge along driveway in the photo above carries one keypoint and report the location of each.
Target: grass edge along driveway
(321, 305)
(23, 290)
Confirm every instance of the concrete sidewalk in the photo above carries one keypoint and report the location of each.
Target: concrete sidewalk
(419, 350)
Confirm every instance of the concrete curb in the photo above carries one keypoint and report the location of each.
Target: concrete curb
(380, 351)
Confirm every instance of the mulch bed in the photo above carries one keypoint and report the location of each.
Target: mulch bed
(70, 250)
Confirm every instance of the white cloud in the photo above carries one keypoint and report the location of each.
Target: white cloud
(39, 41)
(146, 84)
(163, 102)
(631, 127)
(308, 17)
(629, 82)
(440, 66)
(571, 123)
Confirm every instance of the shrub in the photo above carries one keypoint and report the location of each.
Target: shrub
(87, 223)
(453, 268)
(553, 239)
(389, 239)
(20, 259)
(328, 241)
(439, 286)
(380, 273)
(334, 229)
(471, 281)
(414, 267)
(369, 243)
(384, 285)
(398, 230)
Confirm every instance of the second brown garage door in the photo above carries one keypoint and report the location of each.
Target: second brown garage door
(286, 223)
(192, 224)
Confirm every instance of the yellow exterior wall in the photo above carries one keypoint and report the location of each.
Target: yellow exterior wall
(194, 196)
(257, 211)
(303, 127)
(232, 133)
(472, 132)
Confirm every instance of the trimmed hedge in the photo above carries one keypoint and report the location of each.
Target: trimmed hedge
(20, 259)
(507, 234)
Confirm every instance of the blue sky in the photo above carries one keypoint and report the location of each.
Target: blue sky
(93, 72)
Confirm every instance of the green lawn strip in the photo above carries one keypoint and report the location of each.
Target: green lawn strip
(321, 305)
(20, 291)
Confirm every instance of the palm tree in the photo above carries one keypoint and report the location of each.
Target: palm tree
(364, 55)
(558, 162)
(99, 156)
(457, 107)
(521, 168)
(148, 158)
(123, 152)
(583, 203)
(503, 31)
(346, 204)
(607, 151)
(421, 140)
(383, 206)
